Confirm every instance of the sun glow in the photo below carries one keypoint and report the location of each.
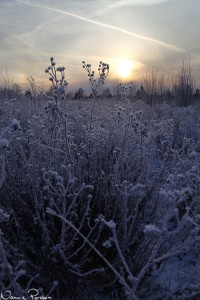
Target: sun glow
(124, 68)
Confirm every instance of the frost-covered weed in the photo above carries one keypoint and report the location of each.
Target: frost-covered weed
(97, 84)
(57, 79)
(112, 206)
(125, 91)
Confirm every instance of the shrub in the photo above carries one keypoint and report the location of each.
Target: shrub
(113, 207)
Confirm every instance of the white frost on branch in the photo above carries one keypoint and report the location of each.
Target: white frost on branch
(151, 228)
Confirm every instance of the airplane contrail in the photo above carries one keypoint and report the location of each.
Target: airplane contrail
(15, 36)
(137, 3)
(112, 27)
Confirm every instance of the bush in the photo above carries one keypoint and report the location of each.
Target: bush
(113, 207)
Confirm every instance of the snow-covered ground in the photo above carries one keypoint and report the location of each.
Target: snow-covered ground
(100, 203)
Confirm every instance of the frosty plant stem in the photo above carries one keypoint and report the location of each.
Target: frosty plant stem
(125, 94)
(125, 91)
(96, 84)
(33, 92)
(58, 85)
(117, 274)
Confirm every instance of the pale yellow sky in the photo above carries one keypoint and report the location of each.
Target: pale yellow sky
(132, 36)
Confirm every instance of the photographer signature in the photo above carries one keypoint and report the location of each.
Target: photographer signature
(33, 294)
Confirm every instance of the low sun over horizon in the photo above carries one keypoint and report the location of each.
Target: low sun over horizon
(131, 36)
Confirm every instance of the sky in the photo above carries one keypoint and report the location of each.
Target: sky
(132, 36)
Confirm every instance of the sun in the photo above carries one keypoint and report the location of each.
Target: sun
(124, 68)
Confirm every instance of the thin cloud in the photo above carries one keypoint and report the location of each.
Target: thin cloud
(137, 3)
(40, 27)
(112, 27)
(22, 41)
(16, 37)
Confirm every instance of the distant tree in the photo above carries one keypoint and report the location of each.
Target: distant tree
(140, 92)
(70, 95)
(196, 94)
(161, 84)
(79, 94)
(167, 94)
(13, 91)
(151, 86)
(28, 94)
(106, 93)
(183, 88)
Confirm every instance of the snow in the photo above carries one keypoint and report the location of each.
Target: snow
(151, 228)
(121, 195)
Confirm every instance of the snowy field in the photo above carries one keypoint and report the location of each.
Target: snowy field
(99, 203)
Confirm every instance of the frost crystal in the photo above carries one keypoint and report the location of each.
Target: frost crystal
(151, 228)
(107, 244)
(111, 224)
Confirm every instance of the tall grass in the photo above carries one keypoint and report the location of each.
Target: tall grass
(109, 202)
(114, 207)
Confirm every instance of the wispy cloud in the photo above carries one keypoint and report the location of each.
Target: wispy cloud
(24, 42)
(17, 37)
(147, 32)
(136, 3)
(112, 27)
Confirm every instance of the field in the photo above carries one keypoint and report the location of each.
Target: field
(99, 200)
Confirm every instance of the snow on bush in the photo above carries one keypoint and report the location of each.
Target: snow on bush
(113, 206)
